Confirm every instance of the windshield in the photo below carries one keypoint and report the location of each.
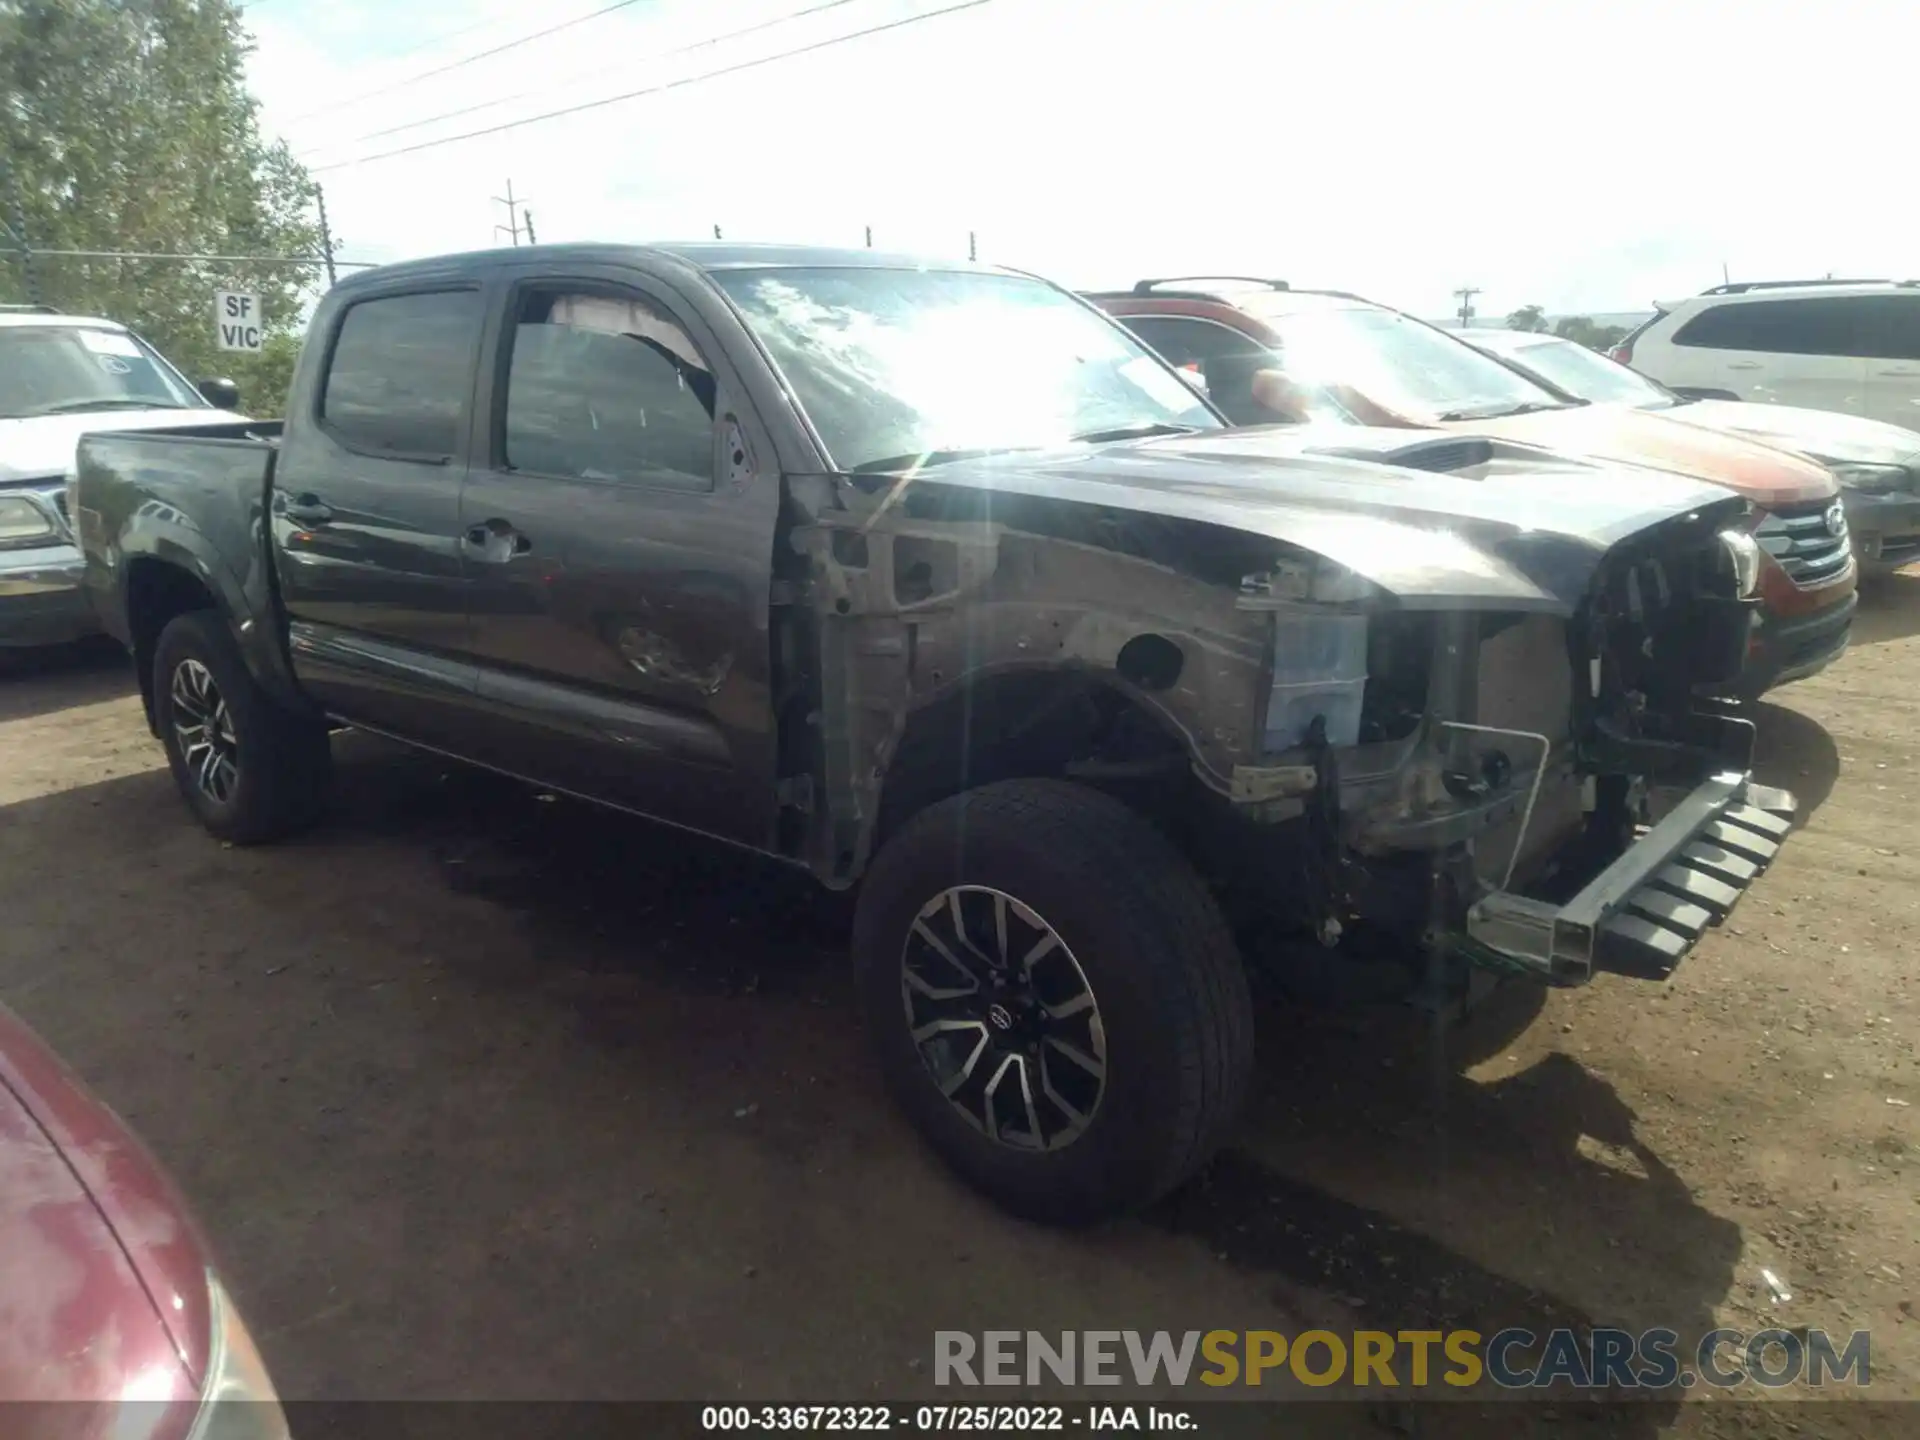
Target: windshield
(1400, 363)
(71, 369)
(891, 365)
(1579, 371)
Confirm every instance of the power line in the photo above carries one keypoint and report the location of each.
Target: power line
(465, 60)
(605, 70)
(656, 89)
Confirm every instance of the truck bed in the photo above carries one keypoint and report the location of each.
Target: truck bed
(200, 491)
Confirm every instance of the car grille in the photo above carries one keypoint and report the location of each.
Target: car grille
(1810, 540)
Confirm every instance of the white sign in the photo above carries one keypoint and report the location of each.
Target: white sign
(237, 321)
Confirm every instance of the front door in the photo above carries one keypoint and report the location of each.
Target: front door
(619, 532)
(365, 513)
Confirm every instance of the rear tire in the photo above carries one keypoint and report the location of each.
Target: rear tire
(987, 877)
(251, 770)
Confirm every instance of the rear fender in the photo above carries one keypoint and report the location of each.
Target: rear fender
(170, 540)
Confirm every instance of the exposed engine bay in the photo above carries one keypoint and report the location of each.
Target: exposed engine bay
(1484, 711)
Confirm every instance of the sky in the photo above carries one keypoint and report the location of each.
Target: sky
(1580, 156)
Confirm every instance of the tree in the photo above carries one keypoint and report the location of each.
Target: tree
(127, 125)
(1528, 317)
(1582, 331)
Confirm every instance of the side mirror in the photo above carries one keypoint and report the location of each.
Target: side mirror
(221, 394)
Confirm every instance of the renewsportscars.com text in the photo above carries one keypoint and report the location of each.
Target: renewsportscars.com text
(1512, 1359)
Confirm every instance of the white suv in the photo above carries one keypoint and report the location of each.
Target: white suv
(62, 376)
(1849, 345)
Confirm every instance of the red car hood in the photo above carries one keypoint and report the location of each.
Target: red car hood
(1766, 476)
(103, 1281)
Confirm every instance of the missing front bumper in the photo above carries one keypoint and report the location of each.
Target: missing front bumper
(1644, 912)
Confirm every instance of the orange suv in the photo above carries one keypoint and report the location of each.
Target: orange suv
(1269, 354)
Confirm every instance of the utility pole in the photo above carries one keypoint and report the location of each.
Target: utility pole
(326, 234)
(1466, 294)
(513, 204)
(869, 237)
(716, 232)
(973, 250)
(1725, 277)
(527, 216)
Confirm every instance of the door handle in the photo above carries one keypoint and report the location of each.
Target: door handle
(1743, 364)
(308, 510)
(1902, 370)
(497, 540)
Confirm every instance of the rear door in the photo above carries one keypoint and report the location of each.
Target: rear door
(618, 523)
(1893, 364)
(1787, 350)
(366, 513)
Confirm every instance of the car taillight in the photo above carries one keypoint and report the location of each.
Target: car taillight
(1622, 354)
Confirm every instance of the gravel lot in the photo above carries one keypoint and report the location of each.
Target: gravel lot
(485, 1096)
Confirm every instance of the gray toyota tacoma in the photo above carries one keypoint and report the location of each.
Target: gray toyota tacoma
(930, 579)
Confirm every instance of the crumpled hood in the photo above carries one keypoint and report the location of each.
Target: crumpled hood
(1824, 434)
(41, 447)
(1766, 475)
(1502, 526)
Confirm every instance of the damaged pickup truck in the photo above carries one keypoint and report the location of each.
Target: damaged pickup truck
(930, 579)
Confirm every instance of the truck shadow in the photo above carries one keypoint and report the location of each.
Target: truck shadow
(609, 963)
(1370, 1167)
(1795, 753)
(41, 682)
(1372, 1170)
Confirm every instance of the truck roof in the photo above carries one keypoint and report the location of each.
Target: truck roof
(700, 254)
(40, 319)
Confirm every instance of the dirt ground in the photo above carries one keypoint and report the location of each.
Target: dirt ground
(482, 1095)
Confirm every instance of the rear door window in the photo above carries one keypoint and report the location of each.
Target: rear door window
(401, 374)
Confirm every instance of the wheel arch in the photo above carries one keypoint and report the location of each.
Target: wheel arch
(165, 575)
(159, 587)
(1026, 723)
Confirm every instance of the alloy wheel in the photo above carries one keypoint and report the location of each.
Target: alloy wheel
(1003, 1018)
(204, 728)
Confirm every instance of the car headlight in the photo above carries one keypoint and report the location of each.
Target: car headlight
(1872, 479)
(1743, 552)
(237, 1401)
(23, 523)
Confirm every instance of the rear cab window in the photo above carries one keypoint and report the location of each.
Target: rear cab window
(400, 374)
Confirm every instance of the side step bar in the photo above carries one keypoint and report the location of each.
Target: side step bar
(1644, 912)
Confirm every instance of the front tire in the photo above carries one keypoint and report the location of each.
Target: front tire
(1056, 999)
(249, 769)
